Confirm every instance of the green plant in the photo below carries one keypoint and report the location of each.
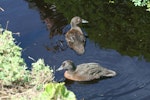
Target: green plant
(148, 6)
(21, 84)
(12, 66)
(40, 73)
(142, 3)
(57, 91)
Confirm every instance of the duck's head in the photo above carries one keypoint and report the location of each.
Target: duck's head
(67, 65)
(77, 20)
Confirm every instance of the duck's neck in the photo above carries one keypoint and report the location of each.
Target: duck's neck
(73, 68)
(75, 26)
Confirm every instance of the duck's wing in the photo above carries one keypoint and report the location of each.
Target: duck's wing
(94, 70)
(76, 41)
(90, 70)
(74, 35)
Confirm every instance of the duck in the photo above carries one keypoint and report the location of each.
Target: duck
(85, 71)
(74, 37)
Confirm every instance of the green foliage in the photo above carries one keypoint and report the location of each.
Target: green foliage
(43, 73)
(142, 3)
(57, 91)
(12, 66)
(13, 73)
(111, 1)
(148, 6)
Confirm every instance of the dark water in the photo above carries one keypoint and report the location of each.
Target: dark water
(40, 38)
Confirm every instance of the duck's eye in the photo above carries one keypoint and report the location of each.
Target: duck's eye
(83, 40)
(78, 20)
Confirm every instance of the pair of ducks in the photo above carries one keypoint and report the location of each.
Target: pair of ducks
(86, 71)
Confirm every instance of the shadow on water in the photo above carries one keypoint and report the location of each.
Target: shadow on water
(118, 35)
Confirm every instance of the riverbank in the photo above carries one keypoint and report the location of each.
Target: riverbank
(18, 83)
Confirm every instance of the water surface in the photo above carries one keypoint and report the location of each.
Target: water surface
(42, 36)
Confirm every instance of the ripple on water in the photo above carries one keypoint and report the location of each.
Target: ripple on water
(133, 75)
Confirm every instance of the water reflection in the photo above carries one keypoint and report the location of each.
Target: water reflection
(108, 29)
(119, 26)
(55, 23)
(54, 20)
(59, 46)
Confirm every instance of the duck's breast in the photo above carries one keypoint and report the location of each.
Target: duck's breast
(75, 76)
(75, 40)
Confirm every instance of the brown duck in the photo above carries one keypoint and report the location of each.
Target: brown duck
(75, 37)
(85, 71)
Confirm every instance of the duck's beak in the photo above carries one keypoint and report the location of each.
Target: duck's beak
(84, 21)
(60, 68)
(110, 73)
